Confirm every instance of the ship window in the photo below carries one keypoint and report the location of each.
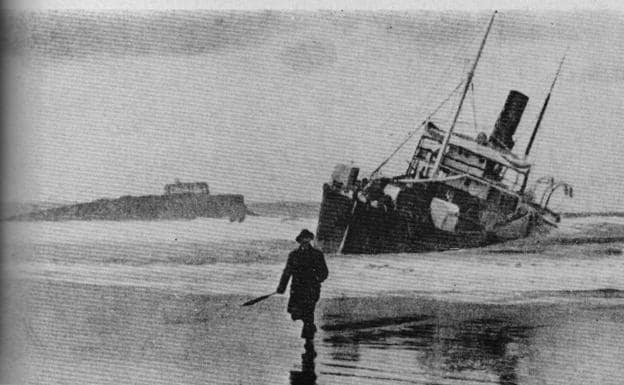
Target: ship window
(481, 160)
(467, 182)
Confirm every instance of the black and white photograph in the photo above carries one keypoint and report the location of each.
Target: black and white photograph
(425, 192)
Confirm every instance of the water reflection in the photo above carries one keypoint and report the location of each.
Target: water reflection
(488, 344)
(307, 374)
(481, 350)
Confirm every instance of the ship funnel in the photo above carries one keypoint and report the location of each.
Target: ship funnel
(508, 120)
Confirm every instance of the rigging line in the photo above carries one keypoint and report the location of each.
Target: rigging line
(439, 79)
(447, 71)
(474, 108)
(450, 62)
(447, 137)
(411, 134)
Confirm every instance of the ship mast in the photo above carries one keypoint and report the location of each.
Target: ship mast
(447, 138)
(541, 115)
(539, 120)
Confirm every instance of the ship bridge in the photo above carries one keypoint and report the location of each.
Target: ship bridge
(482, 165)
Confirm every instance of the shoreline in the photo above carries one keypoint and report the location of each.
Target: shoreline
(495, 274)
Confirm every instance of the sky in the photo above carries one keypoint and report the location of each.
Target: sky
(264, 103)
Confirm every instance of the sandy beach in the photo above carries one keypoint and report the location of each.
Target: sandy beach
(83, 310)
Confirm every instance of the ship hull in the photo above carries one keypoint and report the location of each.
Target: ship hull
(149, 207)
(352, 226)
(334, 217)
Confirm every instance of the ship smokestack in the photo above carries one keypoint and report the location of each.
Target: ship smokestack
(508, 120)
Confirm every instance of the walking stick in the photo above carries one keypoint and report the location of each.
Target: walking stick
(256, 300)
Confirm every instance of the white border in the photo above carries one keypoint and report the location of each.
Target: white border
(435, 5)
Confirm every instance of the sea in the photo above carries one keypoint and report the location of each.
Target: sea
(159, 302)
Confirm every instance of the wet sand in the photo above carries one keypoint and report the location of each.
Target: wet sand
(76, 333)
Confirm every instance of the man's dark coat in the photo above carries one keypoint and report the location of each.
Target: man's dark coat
(308, 269)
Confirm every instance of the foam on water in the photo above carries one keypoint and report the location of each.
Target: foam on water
(178, 256)
(197, 230)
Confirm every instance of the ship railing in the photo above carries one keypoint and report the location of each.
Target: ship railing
(429, 180)
(495, 185)
(426, 153)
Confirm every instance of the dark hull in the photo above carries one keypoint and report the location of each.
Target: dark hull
(148, 207)
(334, 216)
(375, 230)
(354, 227)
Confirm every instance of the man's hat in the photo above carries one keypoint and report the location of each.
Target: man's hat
(304, 234)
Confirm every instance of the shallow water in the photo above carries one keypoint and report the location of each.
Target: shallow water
(474, 343)
(75, 333)
(158, 302)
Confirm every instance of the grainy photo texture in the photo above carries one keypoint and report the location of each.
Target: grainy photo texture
(313, 197)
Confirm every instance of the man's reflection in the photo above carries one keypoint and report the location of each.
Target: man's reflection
(306, 376)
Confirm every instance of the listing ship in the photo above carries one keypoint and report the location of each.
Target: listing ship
(457, 192)
(179, 201)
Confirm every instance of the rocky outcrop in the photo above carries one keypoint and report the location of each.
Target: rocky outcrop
(147, 207)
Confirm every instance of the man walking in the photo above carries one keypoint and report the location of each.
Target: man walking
(308, 269)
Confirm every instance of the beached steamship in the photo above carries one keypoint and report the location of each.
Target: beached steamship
(457, 191)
